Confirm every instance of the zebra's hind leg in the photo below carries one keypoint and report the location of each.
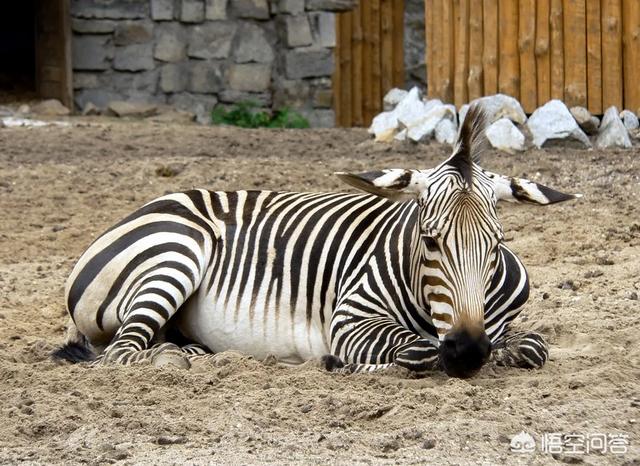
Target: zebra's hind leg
(527, 350)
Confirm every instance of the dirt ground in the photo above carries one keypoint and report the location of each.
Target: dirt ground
(60, 187)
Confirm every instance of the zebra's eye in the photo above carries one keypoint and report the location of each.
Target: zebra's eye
(430, 242)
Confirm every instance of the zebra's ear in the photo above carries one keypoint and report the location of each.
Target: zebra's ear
(522, 190)
(396, 184)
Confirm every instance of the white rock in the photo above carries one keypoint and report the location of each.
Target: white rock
(554, 121)
(426, 126)
(50, 107)
(586, 121)
(612, 133)
(504, 136)
(499, 106)
(446, 131)
(384, 126)
(463, 113)
(11, 122)
(630, 120)
(393, 98)
(401, 135)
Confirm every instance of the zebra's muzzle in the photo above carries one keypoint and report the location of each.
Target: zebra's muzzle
(463, 353)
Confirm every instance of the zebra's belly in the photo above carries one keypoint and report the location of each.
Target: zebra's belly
(259, 332)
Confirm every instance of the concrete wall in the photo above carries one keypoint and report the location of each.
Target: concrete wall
(195, 54)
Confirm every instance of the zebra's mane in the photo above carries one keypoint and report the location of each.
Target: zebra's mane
(470, 144)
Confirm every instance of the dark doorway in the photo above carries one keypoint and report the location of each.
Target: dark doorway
(35, 51)
(17, 50)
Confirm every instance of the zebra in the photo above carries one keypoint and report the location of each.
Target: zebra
(413, 273)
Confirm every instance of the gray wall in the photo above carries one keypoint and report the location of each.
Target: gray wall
(194, 54)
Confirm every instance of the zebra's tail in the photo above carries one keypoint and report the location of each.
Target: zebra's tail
(76, 347)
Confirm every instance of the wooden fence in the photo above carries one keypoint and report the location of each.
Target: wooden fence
(369, 59)
(584, 52)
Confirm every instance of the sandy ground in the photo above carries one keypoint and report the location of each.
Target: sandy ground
(60, 187)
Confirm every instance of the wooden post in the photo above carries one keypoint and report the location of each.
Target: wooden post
(557, 54)
(594, 57)
(543, 60)
(386, 47)
(526, 42)
(490, 46)
(356, 68)
(367, 78)
(437, 52)
(430, 43)
(461, 95)
(448, 49)
(575, 53)
(376, 65)
(631, 31)
(475, 81)
(398, 43)
(509, 73)
(612, 53)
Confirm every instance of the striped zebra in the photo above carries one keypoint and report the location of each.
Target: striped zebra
(414, 273)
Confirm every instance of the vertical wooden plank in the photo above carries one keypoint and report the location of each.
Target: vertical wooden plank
(367, 78)
(509, 74)
(543, 60)
(428, 34)
(526, 48)
(594, 57)
(356, 67)
(448, 50)
(611, 53)
(461, 94)
(575, 53)
(474, 83)
(490, 49)
(398, 43)
(386, 45)
(557, 50)
(337, 75)
(631, 57)
(436, 70)
(376, 68)
(345, 65)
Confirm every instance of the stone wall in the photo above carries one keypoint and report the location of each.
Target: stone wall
(196, 54)
(414, 44)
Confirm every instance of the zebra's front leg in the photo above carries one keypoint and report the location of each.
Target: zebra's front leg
(527, 350)
(373, 343)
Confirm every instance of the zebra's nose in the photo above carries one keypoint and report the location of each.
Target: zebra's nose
(463, 353)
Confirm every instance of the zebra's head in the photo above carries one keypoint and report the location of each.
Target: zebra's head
(457, 238)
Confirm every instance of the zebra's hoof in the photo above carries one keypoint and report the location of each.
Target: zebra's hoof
(331, 362)
(172, 359)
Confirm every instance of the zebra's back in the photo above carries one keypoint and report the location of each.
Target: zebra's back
(260, 271)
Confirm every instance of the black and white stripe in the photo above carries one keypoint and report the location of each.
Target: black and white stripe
(374, 280)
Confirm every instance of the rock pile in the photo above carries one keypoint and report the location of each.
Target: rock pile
(409, 116)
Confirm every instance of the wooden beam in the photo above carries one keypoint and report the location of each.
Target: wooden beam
(557, 50)
(367, 77)
(398, 43)
(386, 46)
(509, 73)
(543, 59)
(575, 53)
(475, 80)
(526, 48)
(461, 95)
(337, 75)
(376, 65)
(490, 62)
(594, 57)
(631, 47)
(611, 53)
(429, 46)
(356, 68)
(448, 49)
